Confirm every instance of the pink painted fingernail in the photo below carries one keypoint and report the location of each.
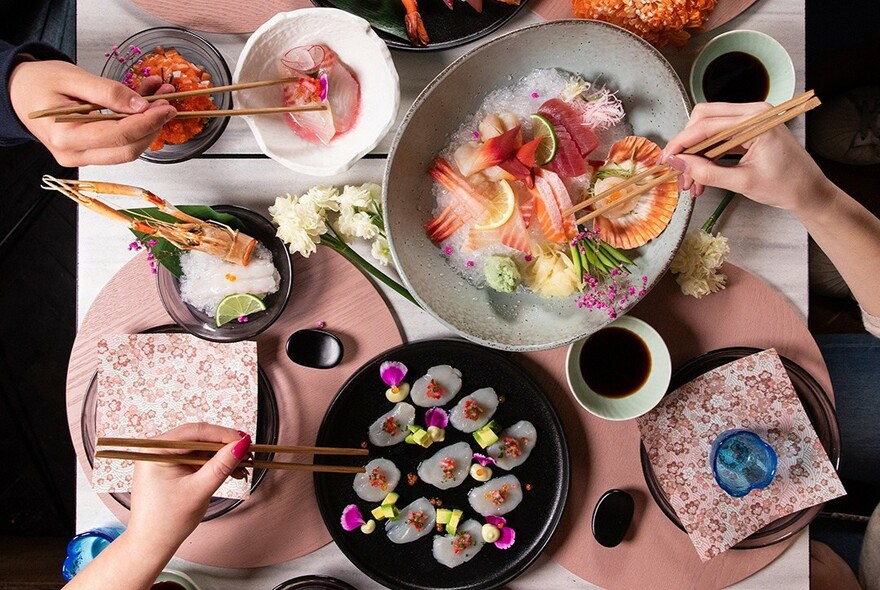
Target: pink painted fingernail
(241, 447)
(677, 163)
(138, 104)
(241, 433)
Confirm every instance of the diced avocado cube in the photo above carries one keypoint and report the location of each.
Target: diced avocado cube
(410, 440)
(421, 437)
(494, 426)
(391, 498)
(485, 436)
(414, 428)
(443, 515)
(390, 511)
(378, 513)
(454, 519)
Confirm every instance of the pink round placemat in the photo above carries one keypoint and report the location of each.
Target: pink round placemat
(280, 521)
(605, 455)
(219, 16)
(723, 12)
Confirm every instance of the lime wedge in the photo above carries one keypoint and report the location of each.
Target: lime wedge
(502, 204)
(236, 306)
(543, 128)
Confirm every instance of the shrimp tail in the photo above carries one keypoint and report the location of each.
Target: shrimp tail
(415, 28)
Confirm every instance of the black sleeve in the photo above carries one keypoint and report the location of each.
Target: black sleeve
(11, 129)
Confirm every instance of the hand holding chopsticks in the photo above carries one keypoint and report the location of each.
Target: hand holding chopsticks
(714, 146)
(194, 459)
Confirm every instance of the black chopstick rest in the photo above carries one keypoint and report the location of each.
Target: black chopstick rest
(612, 516)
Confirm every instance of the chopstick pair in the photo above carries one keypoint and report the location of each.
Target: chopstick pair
(711, 148)
(83, 112)
(189, 459)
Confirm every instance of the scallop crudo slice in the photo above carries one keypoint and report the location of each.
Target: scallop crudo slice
(437, 387)
(380, 478)
(391, 428)
(454, 550)
(474, 411)
(514, 445)
(497, 496)
(416, 520)
(448, 467)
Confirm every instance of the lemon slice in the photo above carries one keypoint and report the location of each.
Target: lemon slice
(502, 204)
(236, 306)
(543, 128)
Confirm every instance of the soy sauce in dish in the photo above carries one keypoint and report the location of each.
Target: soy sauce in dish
(167, 585)
(736, 77)
(615, 362)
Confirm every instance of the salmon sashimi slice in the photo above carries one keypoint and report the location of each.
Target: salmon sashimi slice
(561, 113)
(513, 233)
(322, 79)
(563, 201)
(637, 222)
(443, 226)
(547, 211)
(468, 203)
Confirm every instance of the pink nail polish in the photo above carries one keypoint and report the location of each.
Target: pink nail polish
(676, 163)
(241, 447)
(242, 434)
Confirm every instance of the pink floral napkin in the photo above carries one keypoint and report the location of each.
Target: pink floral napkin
(755, 393)
(150, 383)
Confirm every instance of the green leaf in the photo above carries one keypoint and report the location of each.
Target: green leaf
(385, 15)
(166, 253)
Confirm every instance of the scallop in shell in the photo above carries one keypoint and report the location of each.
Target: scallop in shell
(497, 496)
(454, 550)
(391, 428)
(437, 387)
(636, 221)
(380, 478)
(514, 445)
(448, 467)
(474, 411)
(416, 520)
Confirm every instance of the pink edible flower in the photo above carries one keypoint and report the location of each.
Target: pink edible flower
(352, 518)
(436, 417)
(321, 325)
(476, 135)
(535, 95)
(242, 319)
(447, 250)
(470, 263)
(484, 460)
(508, 535)
(392, 373)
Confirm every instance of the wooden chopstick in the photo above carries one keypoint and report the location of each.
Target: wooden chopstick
(192, 445)
(729, 139)
(194, 114)
(191, 460)
(87, 108)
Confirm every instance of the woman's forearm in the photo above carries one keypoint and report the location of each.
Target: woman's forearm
(125, 564)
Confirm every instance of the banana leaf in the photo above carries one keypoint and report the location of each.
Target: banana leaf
(166, 253)
(384, 15)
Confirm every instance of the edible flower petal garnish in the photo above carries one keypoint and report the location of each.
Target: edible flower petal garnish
(484, 460)
(392, 373)
(352, 518)
(436, 417)
(508, 535)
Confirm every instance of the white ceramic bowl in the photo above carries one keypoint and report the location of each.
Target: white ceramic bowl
(765, 48)
(178, 577)
(657, 108)
(638, 402)
(358, 47)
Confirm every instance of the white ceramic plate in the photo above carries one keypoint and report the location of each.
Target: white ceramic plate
(637, 403)
(358, 47)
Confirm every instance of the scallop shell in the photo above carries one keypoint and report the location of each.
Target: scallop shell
(651, 212)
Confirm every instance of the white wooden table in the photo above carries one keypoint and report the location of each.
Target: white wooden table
(767, 242)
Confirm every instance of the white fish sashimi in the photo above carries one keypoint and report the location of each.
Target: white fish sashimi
(454, 550)
(391, 427)
(380, 478)
(514, 445)
(474, 411)
(497, 496)
(416, 520)
(437, 387)
(448, 467)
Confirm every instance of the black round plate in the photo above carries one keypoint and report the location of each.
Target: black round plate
(361, 400)
(448, 28)
(267, 431)
(819, 410)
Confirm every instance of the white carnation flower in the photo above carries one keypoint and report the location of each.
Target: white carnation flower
(381, 252)
(358, 224)
(355, 196)
(322, 197)
(697, 261)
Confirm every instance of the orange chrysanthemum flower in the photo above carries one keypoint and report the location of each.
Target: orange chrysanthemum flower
(657, 21)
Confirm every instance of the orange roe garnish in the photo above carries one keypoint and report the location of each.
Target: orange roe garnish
(231, 277)
(656, 21)
(377, 479)
(528, 487)
(176, 70)
(412, 478)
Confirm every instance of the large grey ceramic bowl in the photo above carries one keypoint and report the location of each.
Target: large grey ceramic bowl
(656, 105)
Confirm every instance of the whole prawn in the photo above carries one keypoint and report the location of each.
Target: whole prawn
(415, 28)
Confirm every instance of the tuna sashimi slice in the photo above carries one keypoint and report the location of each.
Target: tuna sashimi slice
(561, 113)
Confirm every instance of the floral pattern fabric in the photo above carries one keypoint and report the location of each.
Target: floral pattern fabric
(150, 383)
(754, 393)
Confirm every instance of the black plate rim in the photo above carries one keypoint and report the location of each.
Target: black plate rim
(258, 474)
(756, 540)
(331, 520)
(393, 42)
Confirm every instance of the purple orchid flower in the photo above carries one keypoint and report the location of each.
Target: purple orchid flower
(392, 373)
(484, 460)
(352, 518)
(436, 417)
